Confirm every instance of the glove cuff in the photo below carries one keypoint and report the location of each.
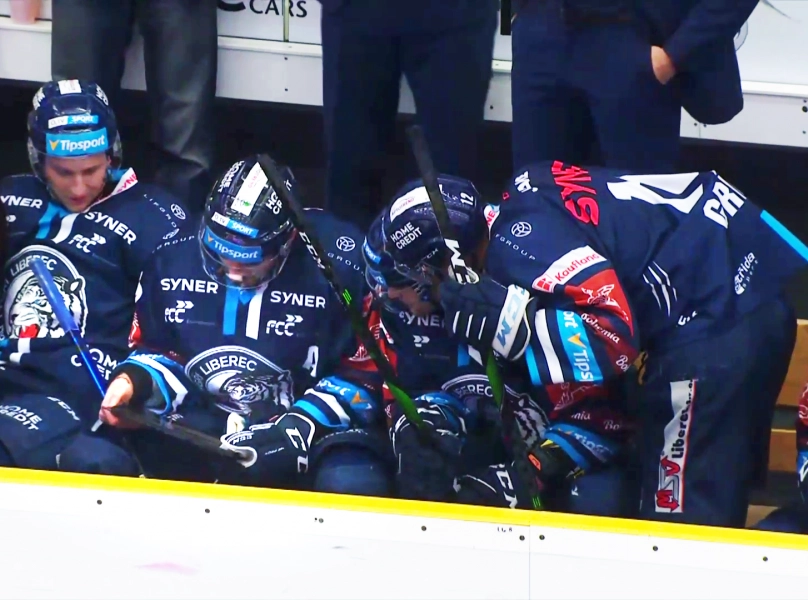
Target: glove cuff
(511, 324)
(142, 383)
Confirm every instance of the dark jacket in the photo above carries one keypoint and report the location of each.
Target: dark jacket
(698, 36)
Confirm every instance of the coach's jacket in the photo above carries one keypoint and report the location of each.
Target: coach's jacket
(698, 36)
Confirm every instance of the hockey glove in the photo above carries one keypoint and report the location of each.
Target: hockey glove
(488, 315)
(551, 466)
(280, 449)
(802, 475)
(426, 470)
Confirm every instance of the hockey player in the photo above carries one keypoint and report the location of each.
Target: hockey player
(94, 226)
(794, 518)
(583, 416)
(238, 332)
(600, 265)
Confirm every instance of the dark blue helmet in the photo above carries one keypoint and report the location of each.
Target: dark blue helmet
(380, 271)
(246, 234)
(71, 118)
(411, 234)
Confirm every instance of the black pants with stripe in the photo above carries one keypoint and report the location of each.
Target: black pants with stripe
(705, 419)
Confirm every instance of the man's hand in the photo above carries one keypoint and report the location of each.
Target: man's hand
(664, 69)
(119, 393)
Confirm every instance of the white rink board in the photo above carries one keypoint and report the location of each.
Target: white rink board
(266, 57)
(75, 536)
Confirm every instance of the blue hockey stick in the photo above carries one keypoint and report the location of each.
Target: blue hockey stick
(66, 320)
(144, 418)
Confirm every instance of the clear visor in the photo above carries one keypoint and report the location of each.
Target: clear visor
(243, 267)
(422, 274)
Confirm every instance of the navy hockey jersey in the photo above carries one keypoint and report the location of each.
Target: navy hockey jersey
(237, 350)
(619, 263)
(95, 258)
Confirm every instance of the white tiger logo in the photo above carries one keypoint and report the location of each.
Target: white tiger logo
(530, 418)
(30, 314)
(242, 390)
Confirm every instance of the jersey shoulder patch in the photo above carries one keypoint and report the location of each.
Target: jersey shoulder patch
(341, 240)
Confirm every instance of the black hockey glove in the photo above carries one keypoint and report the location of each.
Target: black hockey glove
(551, 466)
(510, 486)
(487, 315)
(426, 470)
(279, 449)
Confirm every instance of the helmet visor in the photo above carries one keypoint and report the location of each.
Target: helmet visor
(422, 274)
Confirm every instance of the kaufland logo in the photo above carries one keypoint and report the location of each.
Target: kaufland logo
(562, 270)
(564, 274)
(77, 144)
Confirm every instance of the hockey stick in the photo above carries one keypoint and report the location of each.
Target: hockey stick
(141, 417)
(320, 257)
(464, 275)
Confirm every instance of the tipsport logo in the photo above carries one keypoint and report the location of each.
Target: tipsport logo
(231, 251)
(72, 120)
(77, 144)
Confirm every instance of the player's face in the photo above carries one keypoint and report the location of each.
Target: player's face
(249, 276)
(77, 182)
(411, 298)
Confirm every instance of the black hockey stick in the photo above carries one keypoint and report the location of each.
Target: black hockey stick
(141, 417)
(463, 274)
(358, 323)
(173, 429)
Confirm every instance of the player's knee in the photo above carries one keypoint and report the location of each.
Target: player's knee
(97, 456)
(5, 457)
(492, 486)
(609, 493)
(355, 471)
(790, 519)
(34, 428)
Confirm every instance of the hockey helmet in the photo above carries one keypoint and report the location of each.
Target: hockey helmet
(411, 234)
(70, 119)
(246, 234)
(380, 271)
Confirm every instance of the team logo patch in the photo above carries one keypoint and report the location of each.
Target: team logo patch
(474, 391)
(238, 377)
(27, 312)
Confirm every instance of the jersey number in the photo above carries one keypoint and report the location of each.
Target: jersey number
(312, 360)
(720, 208)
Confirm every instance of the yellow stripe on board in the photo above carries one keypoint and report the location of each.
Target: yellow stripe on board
(403, 507)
